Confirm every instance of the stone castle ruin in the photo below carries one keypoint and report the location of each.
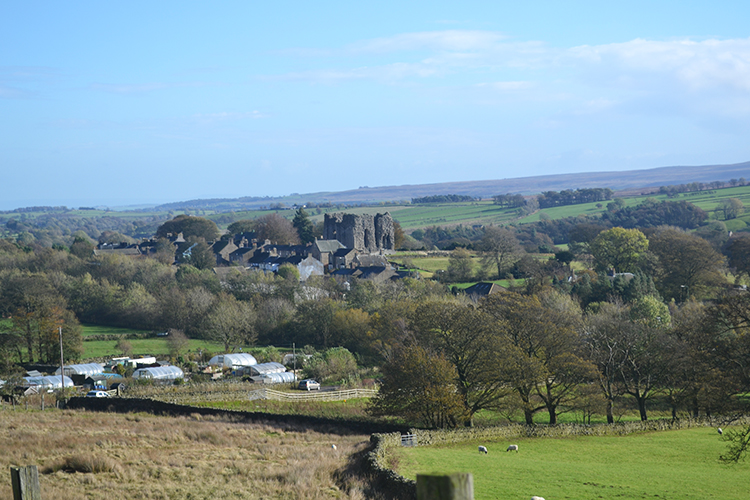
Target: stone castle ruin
(366, 233)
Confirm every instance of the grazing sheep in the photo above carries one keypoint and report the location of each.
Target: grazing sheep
(483, 449)
(536, 498)
(720, 431)
(513, 447)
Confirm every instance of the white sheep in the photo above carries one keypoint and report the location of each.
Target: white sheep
(720, 431)
(513, 447)
(483, 449)
(536, 498)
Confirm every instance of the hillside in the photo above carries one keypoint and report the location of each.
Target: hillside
(631, 180)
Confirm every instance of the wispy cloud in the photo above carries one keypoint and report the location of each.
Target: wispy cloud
(447, 40)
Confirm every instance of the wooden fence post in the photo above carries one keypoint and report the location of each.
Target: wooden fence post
(456, 486)
(25, 482)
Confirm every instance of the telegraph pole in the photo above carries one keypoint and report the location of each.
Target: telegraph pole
(62, 364)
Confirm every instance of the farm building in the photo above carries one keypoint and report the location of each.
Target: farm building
(270, 373)
(47, 381)
(164, 373)
(233, 361)
(277, 378)
(84, 369)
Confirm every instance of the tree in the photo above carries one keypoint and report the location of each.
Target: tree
(276, 229)
(242, 226)
(334, 365)
(399, 237)
(304, 226)
(738, 250)
(415, 386)
(459, 265)
(189, 226)
(197, 253)
(731, 208)
(686, 262)
(231, 322)
(619, 249)
(499, 248)
(177, 342)
(471, 341)
(545, 367)
(82, 247)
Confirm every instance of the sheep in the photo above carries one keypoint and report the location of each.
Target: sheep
(536, 498)
(483, 449)
(720, 431)
(513, 447)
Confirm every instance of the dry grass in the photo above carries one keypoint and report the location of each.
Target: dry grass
(138, 456)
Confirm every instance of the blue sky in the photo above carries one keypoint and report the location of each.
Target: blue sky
(152, 102)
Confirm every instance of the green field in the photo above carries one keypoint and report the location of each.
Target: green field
(680, 464)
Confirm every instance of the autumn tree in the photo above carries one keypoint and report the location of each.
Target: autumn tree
(416, 387)
(686, 262)
(231, 322)
(500, 248)
(276, 229)
(460, 265)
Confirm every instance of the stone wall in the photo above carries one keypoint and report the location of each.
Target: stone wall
(365, 233)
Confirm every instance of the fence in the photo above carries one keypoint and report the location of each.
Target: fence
(312, 396)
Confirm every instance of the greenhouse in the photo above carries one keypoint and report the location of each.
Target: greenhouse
(159, 373)
(233, 361)
(49, 381)
(266, 368)
(87, 369)
(280, 378)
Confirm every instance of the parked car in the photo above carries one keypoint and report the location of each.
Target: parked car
(309, 385)
(97, 394)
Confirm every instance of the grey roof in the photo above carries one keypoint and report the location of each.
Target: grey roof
(326, 246)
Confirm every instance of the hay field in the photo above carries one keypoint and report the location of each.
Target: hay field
(84, 455)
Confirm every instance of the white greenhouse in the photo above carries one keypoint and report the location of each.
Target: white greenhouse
(279, 378)
(233, 361)
(48, 381)
(159, 373)
(87, 369)
(264, 369)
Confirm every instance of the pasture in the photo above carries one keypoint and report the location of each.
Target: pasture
(679, 464)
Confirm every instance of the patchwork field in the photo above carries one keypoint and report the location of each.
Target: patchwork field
(680, 464)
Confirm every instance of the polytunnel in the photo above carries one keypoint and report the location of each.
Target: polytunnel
(280, 378)
(87, 369)
(48, 381)
(264, 369)
(159, 373)
(233, 361)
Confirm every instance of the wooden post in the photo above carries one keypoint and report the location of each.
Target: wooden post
(456, 486)
(25, 482)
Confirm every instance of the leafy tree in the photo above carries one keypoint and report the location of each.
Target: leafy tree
(470, 340)
(499, 248)
(399, 237)
(242, 226)
(416, 387)
(738, 251)
(686, 262)
(304, 226)
(82, 247)
(619, 249)
(189, 226)
(459, 265)
(333, 365)
(731, 208)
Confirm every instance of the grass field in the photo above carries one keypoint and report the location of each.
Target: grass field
(679, 464)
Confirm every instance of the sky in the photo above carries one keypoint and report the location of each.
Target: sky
(133, 103)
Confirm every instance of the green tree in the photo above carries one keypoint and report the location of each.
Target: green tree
(242, 226)
(304, 226)
(334, 365)
(189, 226)
(82, 247)
(619, 249)
(686, 263)
(459, 265)
(731, 208)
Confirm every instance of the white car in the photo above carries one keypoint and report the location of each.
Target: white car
(97, 394)
(309, 385)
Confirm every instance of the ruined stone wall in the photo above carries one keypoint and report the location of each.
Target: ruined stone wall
(365, 233)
